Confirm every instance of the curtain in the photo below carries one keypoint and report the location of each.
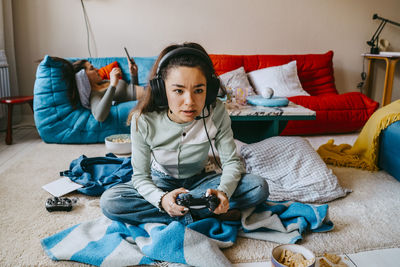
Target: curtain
(7, 42)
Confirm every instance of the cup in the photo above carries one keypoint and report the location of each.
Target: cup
(241, 96)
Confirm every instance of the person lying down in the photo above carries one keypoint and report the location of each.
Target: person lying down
(97, 94)
(87, 87)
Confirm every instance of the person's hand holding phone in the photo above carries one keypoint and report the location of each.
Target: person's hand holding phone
(133, 68)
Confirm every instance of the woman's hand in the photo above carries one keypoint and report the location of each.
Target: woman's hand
(114, 76)
(223, 206)
(169, 205)
(133, 68)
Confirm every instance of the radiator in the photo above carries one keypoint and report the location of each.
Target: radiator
(5, 89)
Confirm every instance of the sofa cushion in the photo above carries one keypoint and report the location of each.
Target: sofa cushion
(315, 71)
(334, 113)
(293, 169)
(282, 79)
(236, 79)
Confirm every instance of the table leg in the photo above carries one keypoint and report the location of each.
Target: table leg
(275, 128)
(31, 104)
(389, 76)
(370, 71)
(9, 124)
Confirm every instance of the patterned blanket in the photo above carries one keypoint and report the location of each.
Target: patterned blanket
(103, 242)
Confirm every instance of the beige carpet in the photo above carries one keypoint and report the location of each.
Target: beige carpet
(366, 219)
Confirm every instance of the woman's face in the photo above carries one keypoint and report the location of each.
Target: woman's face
(186, 89)
(92, 73)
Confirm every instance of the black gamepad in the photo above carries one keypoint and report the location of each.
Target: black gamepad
(59, 204)
(192, 202)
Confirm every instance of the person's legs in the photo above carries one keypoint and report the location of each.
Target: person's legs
(251, 191)
(123, 203)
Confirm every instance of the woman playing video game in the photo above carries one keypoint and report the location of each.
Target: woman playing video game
(97, 94)
(171, 129)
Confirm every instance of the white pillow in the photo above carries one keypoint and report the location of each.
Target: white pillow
(237, 79)
(282, 79)
(293, 170)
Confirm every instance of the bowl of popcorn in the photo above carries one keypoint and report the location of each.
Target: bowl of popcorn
(118, 143)
(292, 255)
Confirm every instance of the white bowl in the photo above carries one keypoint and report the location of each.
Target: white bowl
(118, 143)
(277, 251)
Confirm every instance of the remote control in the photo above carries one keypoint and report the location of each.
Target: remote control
(192, 202)
(59, 204)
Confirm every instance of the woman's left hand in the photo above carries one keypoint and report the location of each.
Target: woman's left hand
(223, 206)
(133, 68)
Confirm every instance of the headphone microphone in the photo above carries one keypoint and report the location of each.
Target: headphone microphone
(197, 118)
(203, 117)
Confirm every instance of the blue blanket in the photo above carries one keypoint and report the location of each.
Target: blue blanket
(103, 242)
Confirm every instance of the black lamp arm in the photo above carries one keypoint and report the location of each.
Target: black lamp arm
(375, 16)
(374, 39)
(376, 34)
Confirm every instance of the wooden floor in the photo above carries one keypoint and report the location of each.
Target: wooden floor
(25, 136)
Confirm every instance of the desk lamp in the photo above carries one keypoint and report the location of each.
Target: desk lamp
(375, 38)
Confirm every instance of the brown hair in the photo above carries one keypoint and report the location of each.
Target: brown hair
(147, 103)
(79, 64)
(69, 77)
(69, 69)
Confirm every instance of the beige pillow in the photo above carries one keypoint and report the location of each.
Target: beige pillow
(237, 79)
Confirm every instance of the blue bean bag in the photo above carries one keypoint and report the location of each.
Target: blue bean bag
(56, 120)
(389, 147)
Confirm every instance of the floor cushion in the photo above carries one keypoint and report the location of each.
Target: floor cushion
(389, 150)
(293, 169)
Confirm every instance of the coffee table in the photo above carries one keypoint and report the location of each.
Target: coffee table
(252, 124)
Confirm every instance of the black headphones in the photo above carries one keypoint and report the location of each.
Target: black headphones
(158, 86)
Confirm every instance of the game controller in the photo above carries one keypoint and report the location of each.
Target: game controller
(191, 202)
(59, 204)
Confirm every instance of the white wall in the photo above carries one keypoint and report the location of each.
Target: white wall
(56, 27)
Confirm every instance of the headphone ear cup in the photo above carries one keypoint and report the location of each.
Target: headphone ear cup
(212, 90)
(158, 92)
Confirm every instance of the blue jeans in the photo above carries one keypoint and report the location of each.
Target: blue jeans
(123, 203)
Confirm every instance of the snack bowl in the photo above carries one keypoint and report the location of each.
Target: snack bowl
(277, 252)
(118, 143)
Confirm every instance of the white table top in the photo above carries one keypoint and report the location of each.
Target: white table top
(383, 55)
(291, 109)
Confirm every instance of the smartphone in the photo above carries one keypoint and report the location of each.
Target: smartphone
(127, 54)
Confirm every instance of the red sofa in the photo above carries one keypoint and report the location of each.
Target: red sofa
(335, 113)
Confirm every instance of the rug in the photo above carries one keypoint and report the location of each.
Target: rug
(366, 219)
